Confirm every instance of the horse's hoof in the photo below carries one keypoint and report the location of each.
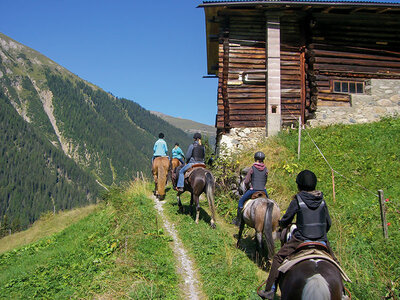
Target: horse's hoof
(213, 226)
(161, 197)
(237, 245)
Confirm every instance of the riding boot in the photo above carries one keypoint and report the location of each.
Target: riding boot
(238, 219)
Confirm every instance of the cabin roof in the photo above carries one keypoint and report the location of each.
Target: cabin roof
(214, 7)
(327, 2)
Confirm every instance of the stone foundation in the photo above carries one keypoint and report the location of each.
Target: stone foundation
(382, 99)
(238, 139)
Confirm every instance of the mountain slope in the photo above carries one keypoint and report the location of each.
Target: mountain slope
(68, 134)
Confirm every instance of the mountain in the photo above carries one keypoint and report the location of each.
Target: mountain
(64, 139)
(189, 126)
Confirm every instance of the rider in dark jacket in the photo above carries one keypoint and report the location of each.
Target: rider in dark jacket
(256, 179)
(313, 222)
(194, 155)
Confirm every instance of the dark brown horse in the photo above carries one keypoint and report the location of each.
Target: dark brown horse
(312, 279)
(200, 181)
(263, 215)
(160, 171)
(315, 278)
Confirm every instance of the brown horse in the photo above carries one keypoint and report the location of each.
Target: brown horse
(263, 215)
(160, 171)
(200, 181)
(312, 279)
(315, 278)
(175, 163)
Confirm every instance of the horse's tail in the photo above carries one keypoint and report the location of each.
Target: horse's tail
(210, 189)
(316, 288)
(268, 229)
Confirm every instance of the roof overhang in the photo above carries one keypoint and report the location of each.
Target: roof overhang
(212, 11)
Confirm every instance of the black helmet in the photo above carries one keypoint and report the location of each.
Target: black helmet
(306, 180)
(197, 136)
(161, 135)
(259, 156)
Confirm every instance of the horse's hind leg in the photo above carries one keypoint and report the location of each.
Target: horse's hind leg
(196, 200)
(178, 197)
(240, 233)
(259, 249)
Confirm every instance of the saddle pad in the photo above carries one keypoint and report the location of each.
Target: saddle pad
(310, 254)
(192, 168)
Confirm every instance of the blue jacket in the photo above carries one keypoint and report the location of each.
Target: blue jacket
(177, 153)
(160, 148)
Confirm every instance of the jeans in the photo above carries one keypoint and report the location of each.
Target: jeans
(181, 178)
(246, 196)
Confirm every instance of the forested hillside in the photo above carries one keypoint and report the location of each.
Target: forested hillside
(63, 138)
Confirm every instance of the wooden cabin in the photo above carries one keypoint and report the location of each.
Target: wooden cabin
(278, 61)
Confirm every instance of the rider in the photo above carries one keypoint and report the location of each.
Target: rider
(178, 153)
(194, 155)
(313, 223)
(257, 178)
(160, 147)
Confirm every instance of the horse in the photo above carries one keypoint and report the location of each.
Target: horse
(175, 163)
(199, 181)
(263, 215)
(314, 278)
(160, 171)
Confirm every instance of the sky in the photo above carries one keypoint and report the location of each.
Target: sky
(150, 51)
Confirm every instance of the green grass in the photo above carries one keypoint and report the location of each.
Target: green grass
(116, 252)
(368, 156)
(225, 272)
(47, 225)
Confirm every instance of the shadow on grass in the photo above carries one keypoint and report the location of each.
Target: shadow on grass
(190, 210)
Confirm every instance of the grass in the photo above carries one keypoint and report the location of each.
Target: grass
(368, 157)
(226, 272)
(47, 225)
(115, 252)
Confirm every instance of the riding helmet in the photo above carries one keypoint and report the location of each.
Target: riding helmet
(197, 136)
(306, 180)
(259, 156)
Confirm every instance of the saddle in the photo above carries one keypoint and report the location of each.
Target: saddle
(310, 250)
(192, 168)
(259, 194)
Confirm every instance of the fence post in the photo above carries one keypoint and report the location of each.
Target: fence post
(383, 214)
(299, 142)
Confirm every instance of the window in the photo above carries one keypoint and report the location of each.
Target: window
(348, 87)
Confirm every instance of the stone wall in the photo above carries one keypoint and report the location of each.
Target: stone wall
(381, 98)
(239, 138)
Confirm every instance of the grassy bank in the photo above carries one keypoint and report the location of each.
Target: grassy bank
(368, 157)
(115, 252)
(47, 225)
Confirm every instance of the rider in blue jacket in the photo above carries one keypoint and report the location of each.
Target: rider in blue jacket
(178, 153)
(160, 147)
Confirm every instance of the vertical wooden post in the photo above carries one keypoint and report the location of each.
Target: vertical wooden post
(383, 214)
(333, 186)
(299, 142)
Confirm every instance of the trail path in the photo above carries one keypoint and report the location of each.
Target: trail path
(190, 287)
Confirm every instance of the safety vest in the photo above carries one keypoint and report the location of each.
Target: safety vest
(258, 178)
(311, 222)
(198, 152)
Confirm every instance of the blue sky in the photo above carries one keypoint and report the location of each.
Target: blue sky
(151, 52)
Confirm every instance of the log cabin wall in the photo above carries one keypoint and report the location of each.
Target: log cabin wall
(350, 48)
(241, 95)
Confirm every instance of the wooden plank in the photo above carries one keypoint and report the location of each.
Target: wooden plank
(333, 103)
(334, 97)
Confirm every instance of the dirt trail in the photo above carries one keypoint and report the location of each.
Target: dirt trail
(190, 283)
